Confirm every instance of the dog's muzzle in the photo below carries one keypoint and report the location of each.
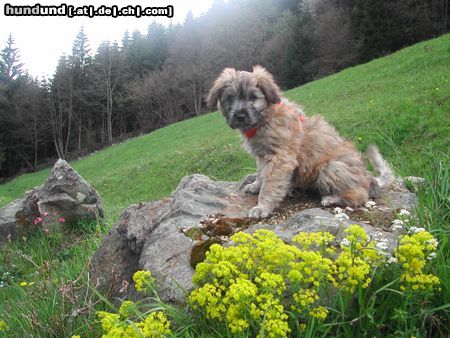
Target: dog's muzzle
(241, 120)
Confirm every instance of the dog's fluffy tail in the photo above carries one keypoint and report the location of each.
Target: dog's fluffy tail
(386, 178)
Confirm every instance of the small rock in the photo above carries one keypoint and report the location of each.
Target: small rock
(64, 196)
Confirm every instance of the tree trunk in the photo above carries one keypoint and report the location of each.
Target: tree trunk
(35, 141)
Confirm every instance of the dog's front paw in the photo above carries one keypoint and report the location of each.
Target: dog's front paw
(252, 188)
(259, 212)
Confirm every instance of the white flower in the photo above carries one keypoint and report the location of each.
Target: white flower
(392, 260)
(370, 204)
(397, 222)
(397, 227)
(345, 242)
(341, 217)
(404, 212)
(434, 242)
(377, 235)
(415, 229)
(338, 210)
(381, 245)
(349, 209)
(432, 255)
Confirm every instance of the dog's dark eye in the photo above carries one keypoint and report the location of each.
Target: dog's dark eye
(224, 98)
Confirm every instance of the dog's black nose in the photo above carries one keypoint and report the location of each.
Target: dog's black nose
(241, 115)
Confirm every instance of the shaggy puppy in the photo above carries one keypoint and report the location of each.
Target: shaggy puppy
(291, 149)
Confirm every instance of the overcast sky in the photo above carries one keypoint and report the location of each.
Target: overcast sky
(42, 40)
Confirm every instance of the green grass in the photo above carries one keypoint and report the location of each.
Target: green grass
(400, 102)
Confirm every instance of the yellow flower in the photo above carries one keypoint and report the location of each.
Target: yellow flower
(126, 308)
(155, 325)
(143, 280)
(412, 254)
(108, 320)
(319, 312)
(3, 326)
(23, 284)
(114, 325)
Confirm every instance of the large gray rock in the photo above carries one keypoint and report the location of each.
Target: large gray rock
(154, 236)
(150, 237)
(65, 194)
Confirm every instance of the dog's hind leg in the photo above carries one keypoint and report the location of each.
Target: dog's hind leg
(276, 175)
(341, 184)
(331, 200)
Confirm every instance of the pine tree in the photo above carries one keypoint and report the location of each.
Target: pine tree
(80, 57)
(80, 61)
(156, 47)
(10, 67)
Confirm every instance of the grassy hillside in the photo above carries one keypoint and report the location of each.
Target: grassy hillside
(400, 102)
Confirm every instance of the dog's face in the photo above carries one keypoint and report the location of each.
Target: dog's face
(242, 97)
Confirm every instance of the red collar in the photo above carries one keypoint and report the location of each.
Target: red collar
(252, 131)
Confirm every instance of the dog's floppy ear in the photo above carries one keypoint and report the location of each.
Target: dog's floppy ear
(266, 83)
(221, 82)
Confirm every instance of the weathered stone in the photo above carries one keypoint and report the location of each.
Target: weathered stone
(166, 251)
(116, 260)
(400, 199)
(64, 194)
(8, 227)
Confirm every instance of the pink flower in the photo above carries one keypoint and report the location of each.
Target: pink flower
(62, 219)
(45, 214)
(37, 220)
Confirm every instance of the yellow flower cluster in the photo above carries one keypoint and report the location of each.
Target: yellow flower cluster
(251, 284)
(306, 240)
(143, 280)
(412, 253)
(120, 325)
(319, 312)
(303, 299)
(3, 326)
(356, 260)
(260, 284)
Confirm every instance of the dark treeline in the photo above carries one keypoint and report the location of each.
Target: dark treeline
(150, 80)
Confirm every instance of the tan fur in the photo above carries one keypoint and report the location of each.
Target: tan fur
(293, 153)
